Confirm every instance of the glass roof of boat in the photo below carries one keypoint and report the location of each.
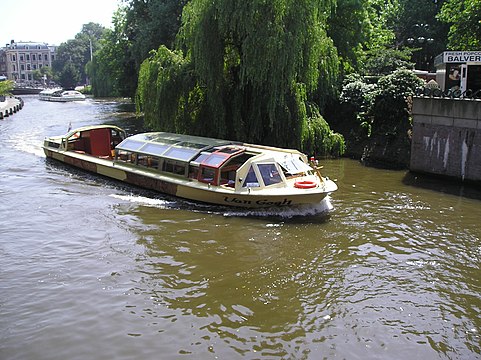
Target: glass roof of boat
(172, 146)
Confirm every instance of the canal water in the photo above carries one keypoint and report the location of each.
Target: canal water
(388, 268)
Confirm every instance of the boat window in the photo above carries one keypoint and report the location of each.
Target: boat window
(270, 174)
(131, 145)
(251, 179)
(294, 165)
(215, 160)
(192, 145)
(193, 172)
(229, 150)
(207, 175)
(201, 158)
(227, 177)
(154, 149)
(148, 161)
(174, 167)
(180, 153)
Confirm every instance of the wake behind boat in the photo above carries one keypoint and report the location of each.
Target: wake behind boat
(61, 95)
(196, 168)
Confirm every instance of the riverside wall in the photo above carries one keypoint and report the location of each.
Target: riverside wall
(9, 105)
(446, 138)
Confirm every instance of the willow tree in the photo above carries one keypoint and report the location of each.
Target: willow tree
(248, 71)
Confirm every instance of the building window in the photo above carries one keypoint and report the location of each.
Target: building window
(22, 67)
(21, 57)
(34, 67)
(28, 67)
(14, 68)
(34, 57)
(45, 57)
(28, 57)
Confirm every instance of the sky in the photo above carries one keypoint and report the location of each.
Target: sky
(53, 21)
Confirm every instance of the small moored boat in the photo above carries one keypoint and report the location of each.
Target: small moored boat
(61, 95)
(196, 168)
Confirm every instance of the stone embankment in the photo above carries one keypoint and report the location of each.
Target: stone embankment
(447, 138)
(9, 105)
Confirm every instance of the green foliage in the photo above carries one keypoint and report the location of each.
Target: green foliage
(69, 76)
(112, 70)
(152, 23)
(6, 87)
(349, 28)
(139, 27)
(38, 74)
(385, 61)
(318, 138)
(249, 69)
(464, 18)
(357, 93)
(77, 51)
(379, 109)
(391, 107)
(166, 93)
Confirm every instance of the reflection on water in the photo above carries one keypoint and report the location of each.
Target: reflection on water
(95, 269)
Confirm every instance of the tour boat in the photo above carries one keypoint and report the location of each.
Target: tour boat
(196, 168)
(61, 95)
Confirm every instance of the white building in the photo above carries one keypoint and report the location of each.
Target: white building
(22, 58)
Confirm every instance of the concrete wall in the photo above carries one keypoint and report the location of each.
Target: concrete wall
(9, 105)
(447, 137)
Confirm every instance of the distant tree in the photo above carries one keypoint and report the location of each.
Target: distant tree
(139, 27)
(37, 75)
(417, 28)
(152, 23)
(464, 19)
(43, 72)
(78, 51)
(112, 70)
(69, 76)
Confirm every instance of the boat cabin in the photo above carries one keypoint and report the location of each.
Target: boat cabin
(207, 160)
(211, 161)
(99, 141)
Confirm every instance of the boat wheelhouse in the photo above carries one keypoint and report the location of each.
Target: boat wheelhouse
(196, 168)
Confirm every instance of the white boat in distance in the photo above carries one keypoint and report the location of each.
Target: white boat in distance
(61, 95)
(195, 168)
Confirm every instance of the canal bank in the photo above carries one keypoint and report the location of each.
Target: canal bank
(9, 105)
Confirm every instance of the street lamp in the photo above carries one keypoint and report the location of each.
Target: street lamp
(420, 37)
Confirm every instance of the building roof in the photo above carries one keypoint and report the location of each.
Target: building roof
(27, 46)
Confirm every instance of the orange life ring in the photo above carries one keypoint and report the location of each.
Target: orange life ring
(305, 184)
